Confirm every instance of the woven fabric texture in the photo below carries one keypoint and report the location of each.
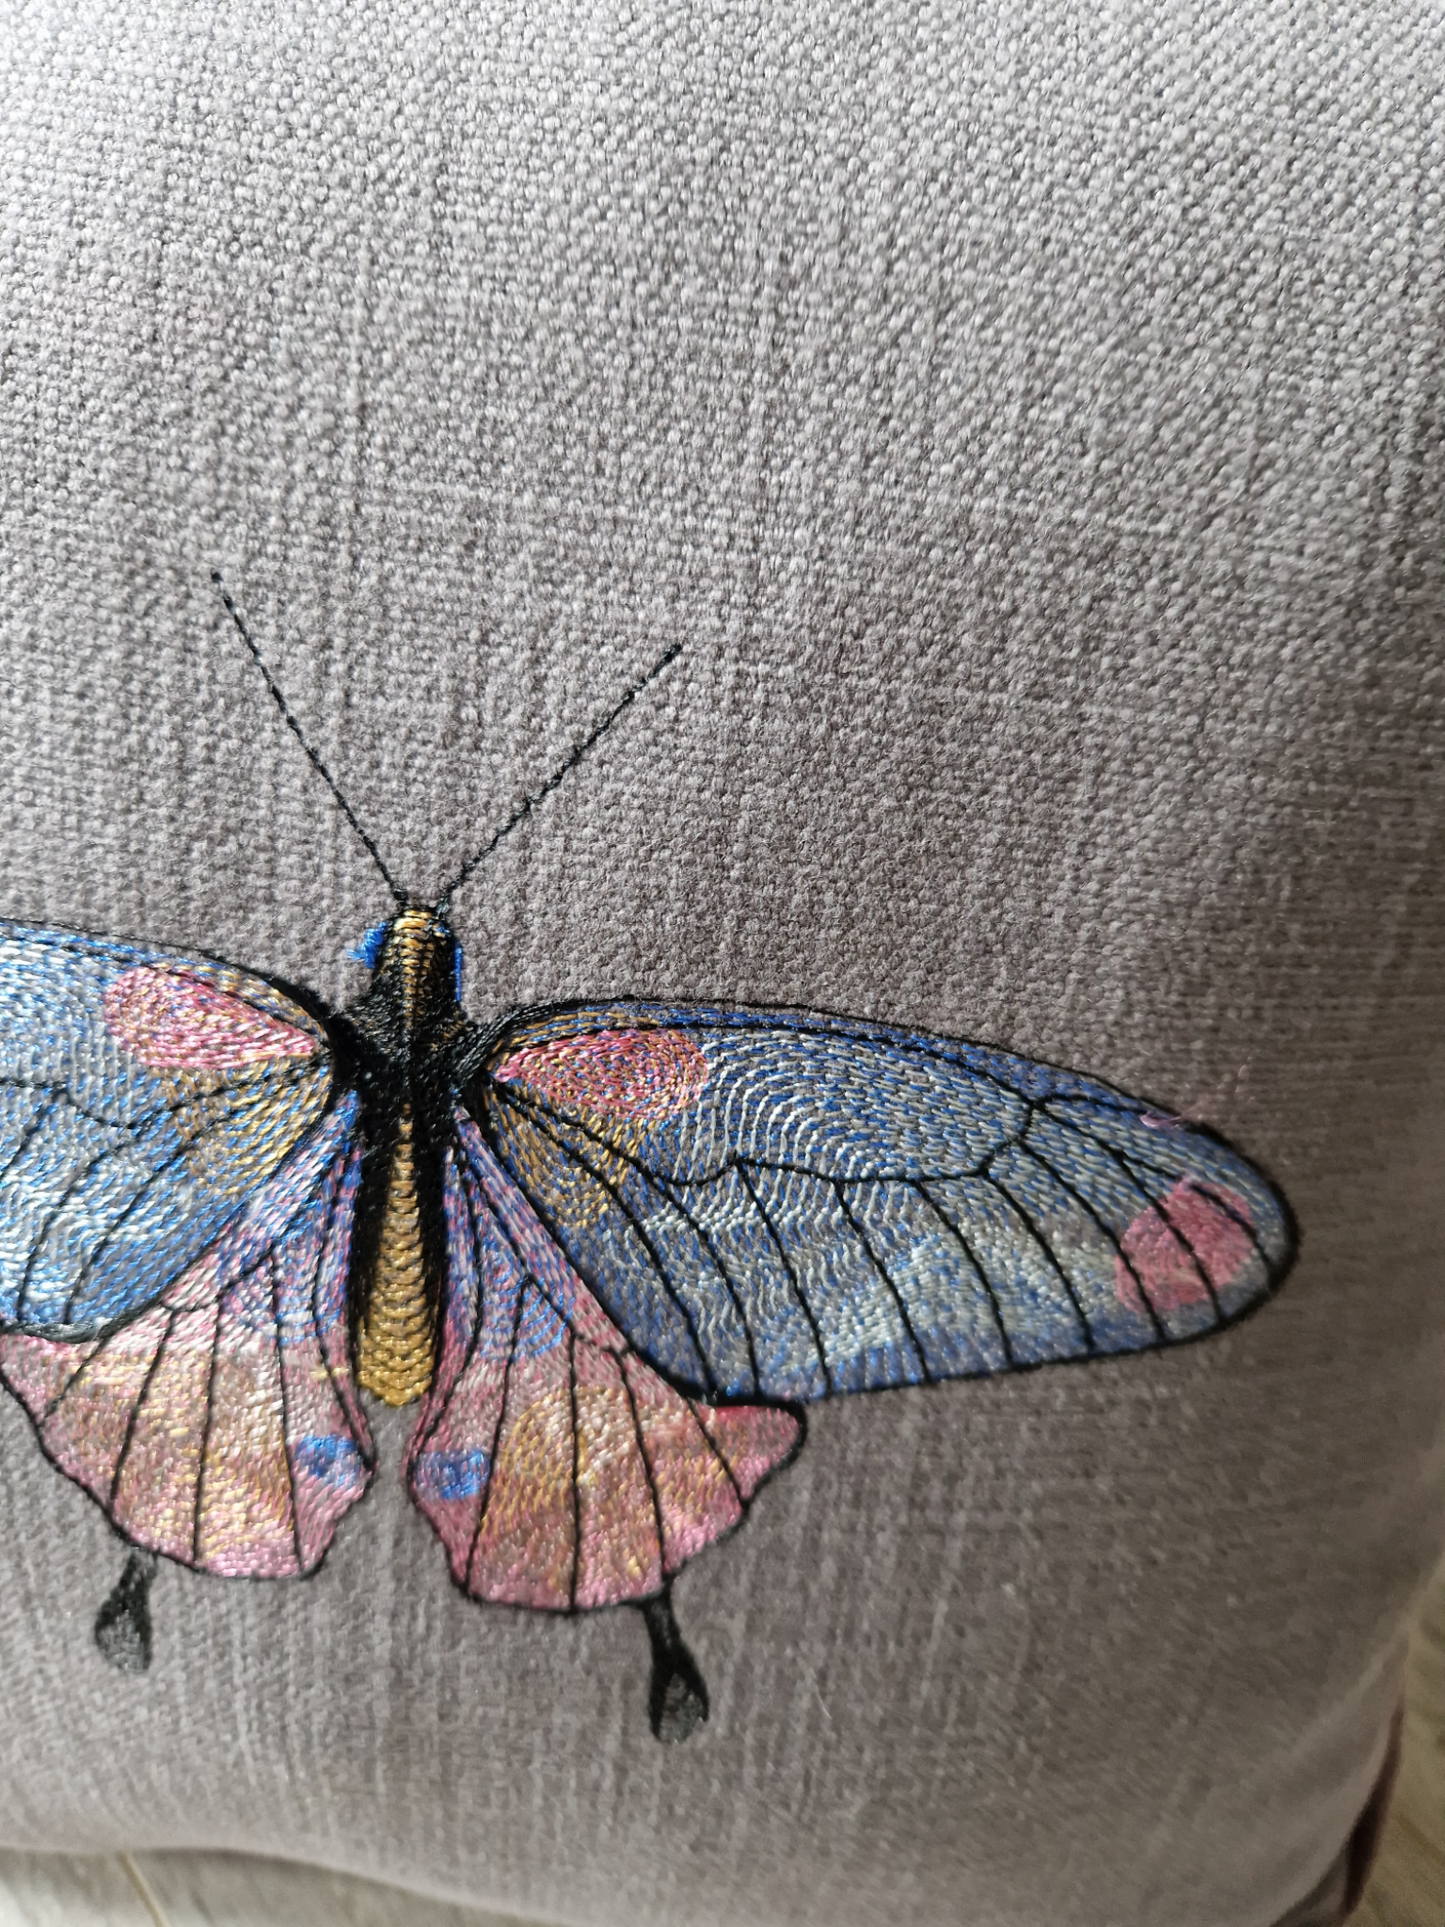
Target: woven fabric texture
(1029, 417)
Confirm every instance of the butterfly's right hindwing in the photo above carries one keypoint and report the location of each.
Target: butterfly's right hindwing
(144, 1097)
(557, 1468)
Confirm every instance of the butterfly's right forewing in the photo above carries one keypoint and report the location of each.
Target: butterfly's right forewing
(785, 1205)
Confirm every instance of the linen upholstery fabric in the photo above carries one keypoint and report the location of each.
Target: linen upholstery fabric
(1029, 417)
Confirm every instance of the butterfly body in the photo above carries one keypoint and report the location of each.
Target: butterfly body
(408, 1034)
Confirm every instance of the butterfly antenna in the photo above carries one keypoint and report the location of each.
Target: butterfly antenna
(525, 808)
(316, 763)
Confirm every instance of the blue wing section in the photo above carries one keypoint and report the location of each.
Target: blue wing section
(789, 1206)
(144, 1096)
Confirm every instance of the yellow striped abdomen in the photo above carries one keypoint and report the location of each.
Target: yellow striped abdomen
(396, 1347)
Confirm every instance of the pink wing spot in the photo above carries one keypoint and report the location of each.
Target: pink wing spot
(640, 1074)
(754, 1439)
(1204, 1220)
(171, 1022)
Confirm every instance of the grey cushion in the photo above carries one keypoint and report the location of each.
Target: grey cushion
(1029, 418)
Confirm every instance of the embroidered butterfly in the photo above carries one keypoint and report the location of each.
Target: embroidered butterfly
(609, 1251)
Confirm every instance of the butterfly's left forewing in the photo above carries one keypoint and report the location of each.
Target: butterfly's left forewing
(178, 1178)
(143, 1097)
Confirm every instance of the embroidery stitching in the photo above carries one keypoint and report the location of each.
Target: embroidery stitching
(609, 1250)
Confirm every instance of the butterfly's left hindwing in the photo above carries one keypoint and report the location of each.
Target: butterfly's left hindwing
(144, 1096)
(788, 1206)
(220, 1425)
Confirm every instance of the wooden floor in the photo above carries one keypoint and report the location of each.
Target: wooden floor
(206, 1890)
(1408, 1887)
(227, 1890)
